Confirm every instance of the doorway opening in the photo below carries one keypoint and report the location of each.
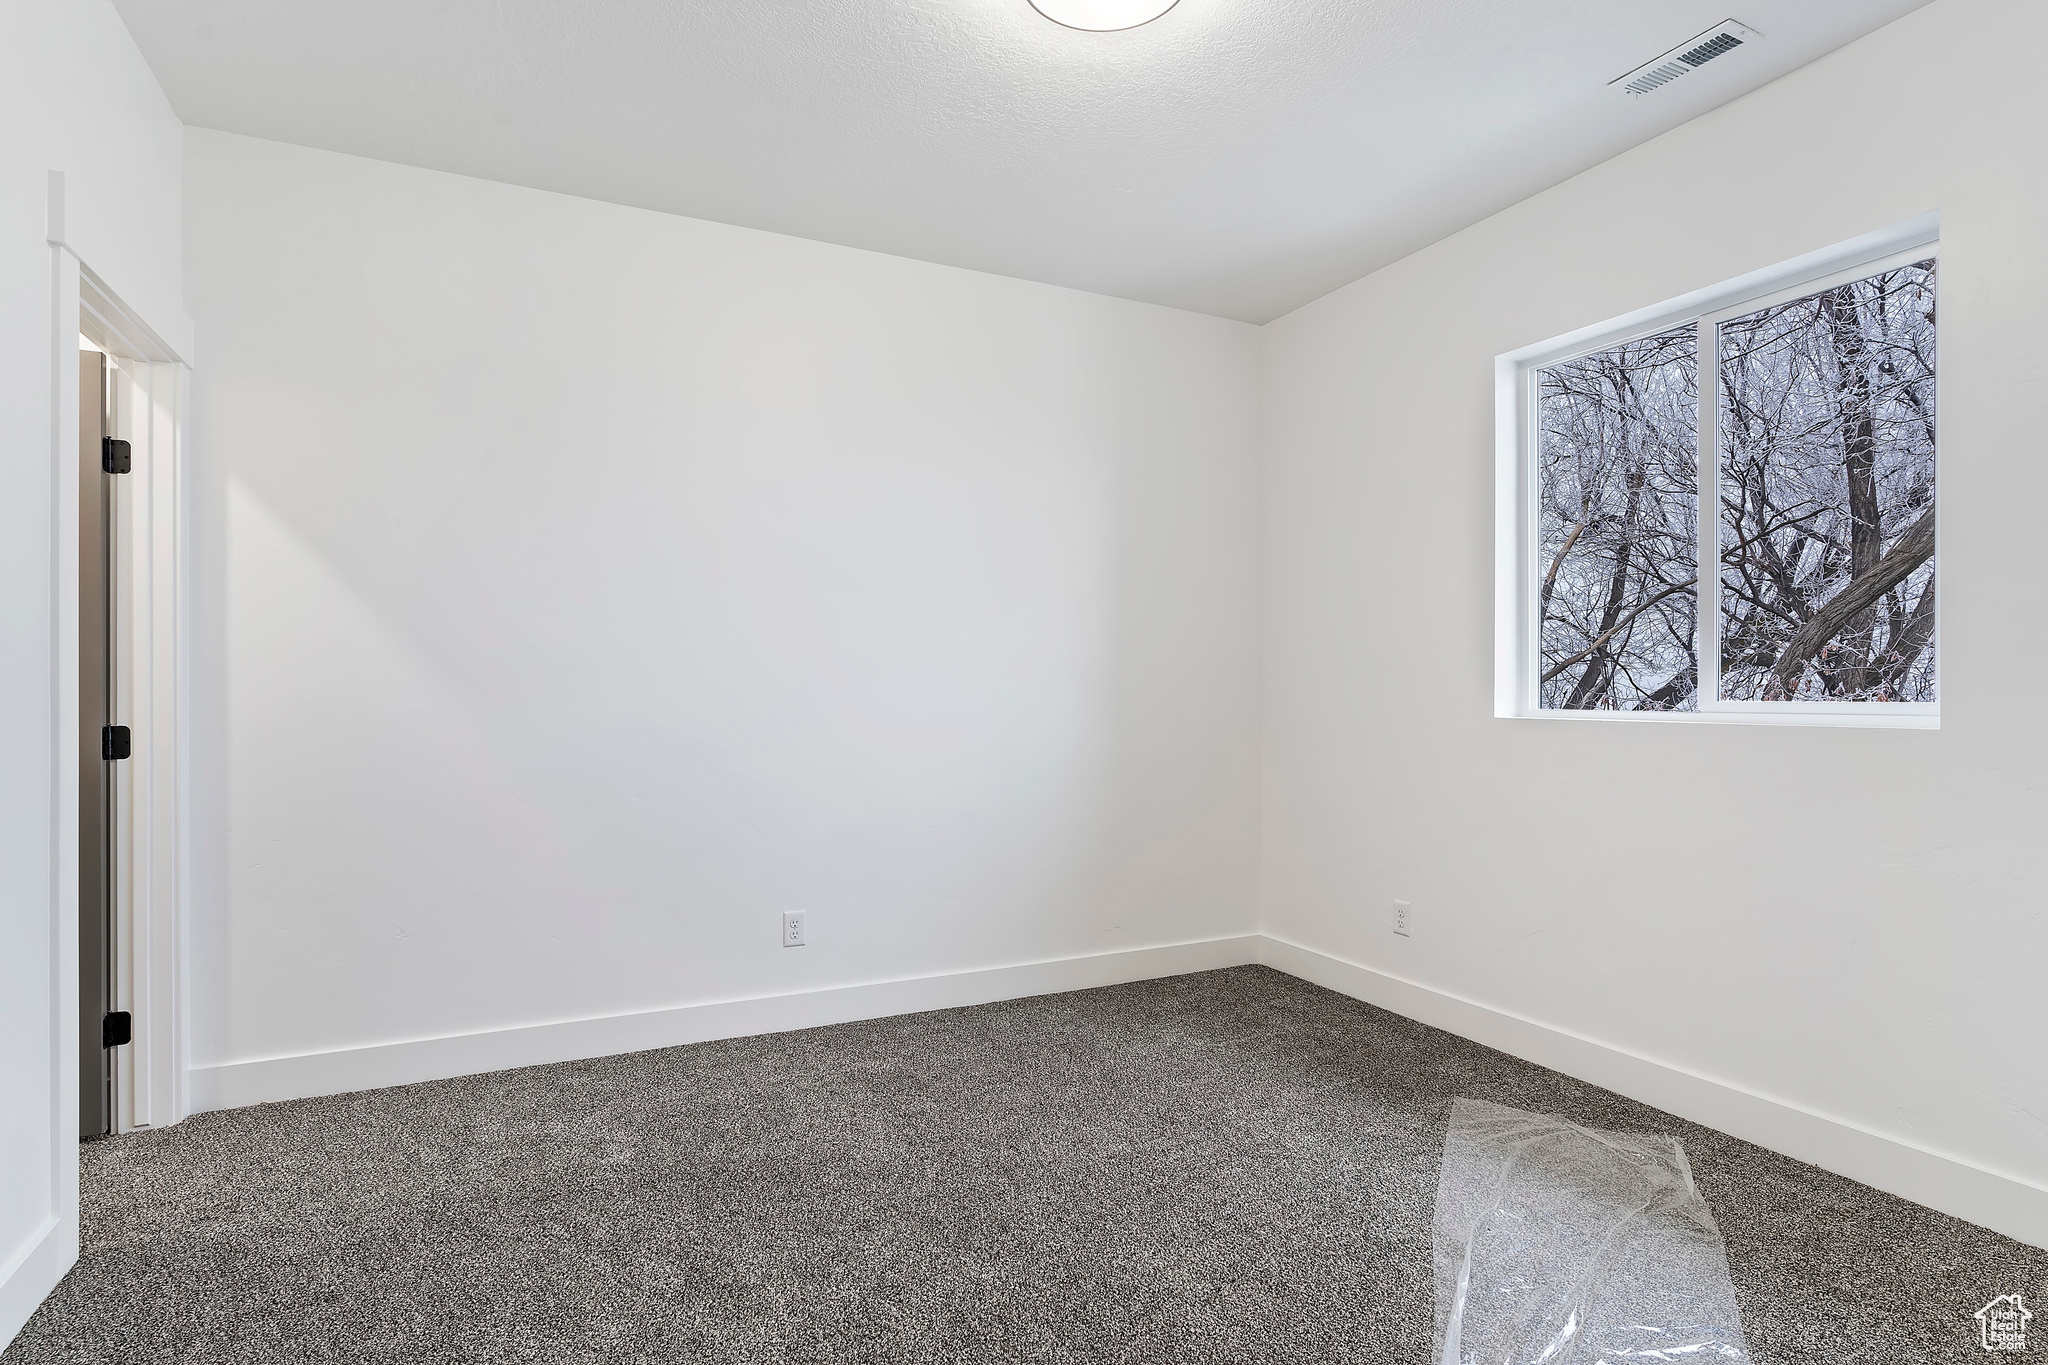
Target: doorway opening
(102, 457)
(131, 721)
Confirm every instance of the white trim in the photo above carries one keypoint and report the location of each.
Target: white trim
(1919, 231)
(1908, 249)
(1951, 1184)
(150, 918)
(1515, 646)
(1820, 714)
(261, 1080)
(149, 385)
(150, 382)
(1706, 688)
(78, 299)
(33, 1267)
(27, 1276)
(112, 322)
(2002, 1202)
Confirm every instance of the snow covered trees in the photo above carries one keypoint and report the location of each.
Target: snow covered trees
(1825, 451)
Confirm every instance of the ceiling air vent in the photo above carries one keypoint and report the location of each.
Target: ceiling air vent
(1688, 57)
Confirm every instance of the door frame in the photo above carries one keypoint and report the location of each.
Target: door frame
(49, 1246)
(149, 386)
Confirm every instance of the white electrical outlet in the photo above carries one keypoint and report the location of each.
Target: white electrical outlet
(1401, 918)
(792, 928)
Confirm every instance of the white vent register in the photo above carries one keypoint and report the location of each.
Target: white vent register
(1688, 57)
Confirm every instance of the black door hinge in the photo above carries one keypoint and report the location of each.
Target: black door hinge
(117, 1028)
(114, 456)
(115, 742)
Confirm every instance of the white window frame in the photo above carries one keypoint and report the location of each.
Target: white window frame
(1516, 646)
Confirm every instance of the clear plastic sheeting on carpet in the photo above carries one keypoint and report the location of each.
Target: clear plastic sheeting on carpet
(1562, 1245)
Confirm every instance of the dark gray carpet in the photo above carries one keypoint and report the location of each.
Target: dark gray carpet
(1231, 1167)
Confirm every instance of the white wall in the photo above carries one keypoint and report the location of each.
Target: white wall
(75, 97)
(578, 587)
(1850, 921)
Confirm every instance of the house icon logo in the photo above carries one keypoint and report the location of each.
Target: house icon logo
(2003, 1323)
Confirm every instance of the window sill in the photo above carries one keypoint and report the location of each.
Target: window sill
(1844, 719)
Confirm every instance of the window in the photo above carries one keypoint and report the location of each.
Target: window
(1781, 431)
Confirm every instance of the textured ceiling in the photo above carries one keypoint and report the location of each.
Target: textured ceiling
(1238, 157)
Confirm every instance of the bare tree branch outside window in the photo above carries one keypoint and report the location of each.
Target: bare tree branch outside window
(1825, 523)
(1617, 526)
(1827, 495)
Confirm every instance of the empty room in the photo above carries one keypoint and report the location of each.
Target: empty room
(807, 681)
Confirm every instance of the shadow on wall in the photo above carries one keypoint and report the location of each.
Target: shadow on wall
(548, 670)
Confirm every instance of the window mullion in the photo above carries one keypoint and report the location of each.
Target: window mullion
(1532, 626)
(1707, 609)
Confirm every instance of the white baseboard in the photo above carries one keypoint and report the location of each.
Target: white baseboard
(1991, 1199)
(232, 1084)
(2003, 1203)
(32, 1272)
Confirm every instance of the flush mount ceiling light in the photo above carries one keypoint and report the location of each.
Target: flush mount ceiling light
(1102, 16)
